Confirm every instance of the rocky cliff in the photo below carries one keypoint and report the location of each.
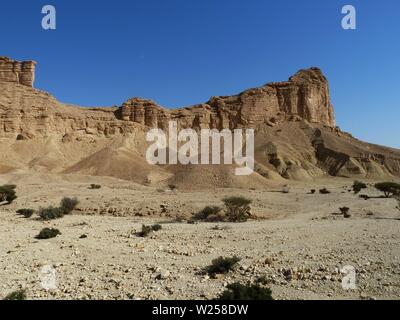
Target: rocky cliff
(17, 72)
(305, 96)
(296, 137)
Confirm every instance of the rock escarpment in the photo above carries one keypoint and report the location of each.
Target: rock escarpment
(305, 96)
(17, 72)
(294, 123)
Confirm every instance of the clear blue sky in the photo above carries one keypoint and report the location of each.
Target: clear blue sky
(181, 52)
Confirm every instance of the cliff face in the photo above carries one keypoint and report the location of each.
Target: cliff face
(305, 96)
(26, 110)
(17, 72)
(294, 122)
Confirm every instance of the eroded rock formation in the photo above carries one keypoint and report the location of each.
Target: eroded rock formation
(294, 122)
(17, 72)
(305, 95)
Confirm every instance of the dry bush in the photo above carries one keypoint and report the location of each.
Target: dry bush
(388, 188)
(7, 193)
(237, 208)
(222, 265)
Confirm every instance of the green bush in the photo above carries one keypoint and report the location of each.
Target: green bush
(16, 295)
(50, 213)
(95, 186)
(27, 213)
(209, 213)
(237, 291)
(67, 205)
(222, 265)
(358, 186)
(237, 208)
(388, 188)
(48, 233)
(7, 193)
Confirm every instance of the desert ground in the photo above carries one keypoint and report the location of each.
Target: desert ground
(297, 241)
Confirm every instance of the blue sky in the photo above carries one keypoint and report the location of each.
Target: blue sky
(181, 52)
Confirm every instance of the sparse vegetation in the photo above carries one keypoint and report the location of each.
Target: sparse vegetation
(324, 191)
(237, 208)
(358, 186)
(67, 205)
(50, 213)
(7, 194)
(364, 196)
(345, 211)
(147, 230)
(238, 291)
(312, 191)
(95, 186)
(27, 213)
(209, 214)
(156, 227)
(16, 295)
(222, 265)
(48, 233)
(388, 188)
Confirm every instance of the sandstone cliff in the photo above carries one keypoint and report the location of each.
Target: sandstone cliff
(296, 137)
(305, 95)
(17, 72)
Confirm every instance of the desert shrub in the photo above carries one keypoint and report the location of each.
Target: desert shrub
(95, 186)
(222, 265)
(312, 191)
(324, 191)
(209, 213)
(358, 186)
(50, 213)
(345, 211)
(146, 230)
(7, 193)
(156, 227)
(364, 196)
(48, 233)
(16, 295)
(237, 208)
(27, 213)
(388, 188)
(67, 205)
(238, 291)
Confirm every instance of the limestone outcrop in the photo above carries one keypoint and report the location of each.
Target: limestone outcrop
(17, 72)
(304, 96)
(295, 133)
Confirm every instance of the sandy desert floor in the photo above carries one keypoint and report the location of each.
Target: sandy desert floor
(298, 243)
